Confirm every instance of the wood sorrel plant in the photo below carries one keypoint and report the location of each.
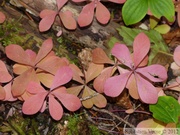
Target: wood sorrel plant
(137, 77)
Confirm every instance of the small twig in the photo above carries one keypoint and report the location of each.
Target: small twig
(113, 115)
(89, 97)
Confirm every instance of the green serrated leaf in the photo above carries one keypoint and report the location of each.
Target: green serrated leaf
(158, 45)
(167, 109)
(134, 11)
(161, 8)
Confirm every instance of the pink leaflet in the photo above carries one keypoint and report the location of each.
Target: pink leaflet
(60, 3)
(102, 13)
(55, 109)
(176, 55)
(116, 84)
(121, 52)
(117, 1)
(141, 46)
(17, 54)
(88, 13)
(46, 12)
(47, 21)
(155, 73)
(46, 47)
(147, 92)
(71, 102)
(2, 17)
(93, 71)
(62, 76)
(100, 57)
(34, 103)
(4, 74)
(2, 93)
(31, 54)
(99, 82)
(34, 88)
(78, 0)
(68, 20)
(9, 96)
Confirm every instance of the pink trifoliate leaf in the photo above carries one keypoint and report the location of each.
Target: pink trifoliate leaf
(55, 109)
(2, 93)
(121, 52)
(117, 1)
(34, 103)
(155, 73)
(2, 17)
(60, 3)
(100, 80)
(93, 71)
(99, 100)
(147, 92)
(62, 76)
(34, 88)
(46, 22)
(176, 55)
(71, 102)
(100, 57)
(102, 13)
(4, 74)
(141, 46)
(9, 96)
(17, 54)
(46, 47)
(68, 20)
(88, 13)
(116, 84)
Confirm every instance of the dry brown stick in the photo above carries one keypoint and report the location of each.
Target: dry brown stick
(113, 115)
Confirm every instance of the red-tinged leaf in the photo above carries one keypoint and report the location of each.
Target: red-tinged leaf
(78, 0)
(46, 22)
(147, 92)
(117, 1)
(60, 3)
(51, 64)
(116, 84)
(31, 54)
(176, 55)
(55, 109)
(71, 102)
(121, 52)
(88, 13)
(59, 33)
(99, 82)
(93, 71)
(9, 96)
(141, 46)
(34, 103)
(2, 93)
(19, 68)
(62, 76)
(155, 73)
(4, 74)
(87, 92)
(99, 100)
(45, 78)
(20, 83)
(102, 13)
(130, 111)
(46, 12)
(17, 54)
(75, 90)
(34, 88)
(77, 74)
(100, 57)
(68, 21)
(2, 17)
(132, 87)
(46, 47)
